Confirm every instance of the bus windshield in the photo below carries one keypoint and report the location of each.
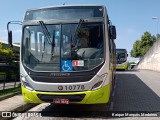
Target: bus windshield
(121, 56)
(65, 47)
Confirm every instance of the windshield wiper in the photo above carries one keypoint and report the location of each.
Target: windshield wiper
(81, 21)
(45, 32)
(53, 45)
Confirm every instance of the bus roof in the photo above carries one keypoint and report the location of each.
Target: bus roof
(121, 50)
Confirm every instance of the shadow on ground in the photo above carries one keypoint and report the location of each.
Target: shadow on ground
(132, 95)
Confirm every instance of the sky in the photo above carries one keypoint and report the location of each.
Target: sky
(131, 17)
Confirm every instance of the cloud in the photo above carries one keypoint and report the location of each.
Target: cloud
(131, 32)
(126, 34)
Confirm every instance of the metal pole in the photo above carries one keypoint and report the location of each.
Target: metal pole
(156, 18)
(157, 26)
(15, 82)
(4, 81)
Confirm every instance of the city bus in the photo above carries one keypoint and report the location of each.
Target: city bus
(121, 57)
(67, 55)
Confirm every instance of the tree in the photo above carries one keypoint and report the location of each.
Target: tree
(6, 54)
(135, 52)
(140, 47)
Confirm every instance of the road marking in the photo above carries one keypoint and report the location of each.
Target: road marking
(114, 89)
(116, 81)
(113, 93)
(115, 86)
(111, 106)
(116, 78)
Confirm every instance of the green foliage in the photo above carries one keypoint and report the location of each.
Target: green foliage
(6, 53)
(135, 52)
(140, 47)
(10, 91)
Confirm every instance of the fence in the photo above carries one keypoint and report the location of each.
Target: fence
(9, 76)
(5, 84)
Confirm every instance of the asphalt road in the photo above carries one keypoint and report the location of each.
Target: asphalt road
(137, 91)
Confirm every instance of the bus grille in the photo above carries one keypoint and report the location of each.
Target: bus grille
(71, 98)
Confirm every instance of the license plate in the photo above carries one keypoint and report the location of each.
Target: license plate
(60, 101)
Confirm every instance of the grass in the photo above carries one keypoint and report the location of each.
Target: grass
(2, 73)
(10, 91)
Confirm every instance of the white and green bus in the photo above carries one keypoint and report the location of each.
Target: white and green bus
(67, 55)
(121, 57)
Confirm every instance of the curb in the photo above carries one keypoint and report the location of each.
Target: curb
(20, 109)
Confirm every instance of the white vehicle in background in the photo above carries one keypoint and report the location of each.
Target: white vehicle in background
(131, 66)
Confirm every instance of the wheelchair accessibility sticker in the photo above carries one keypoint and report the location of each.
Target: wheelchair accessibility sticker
(66, 65)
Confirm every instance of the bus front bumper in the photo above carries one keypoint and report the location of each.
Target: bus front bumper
(122, 67)
(98, 96)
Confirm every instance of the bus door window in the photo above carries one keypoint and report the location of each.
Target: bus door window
(57, 41)
(66, 42)
(41, 40)
(66, 47)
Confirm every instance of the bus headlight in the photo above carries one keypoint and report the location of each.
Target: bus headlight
(99, 82)
(25, 83)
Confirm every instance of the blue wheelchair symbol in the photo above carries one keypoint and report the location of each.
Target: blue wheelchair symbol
(66, 65)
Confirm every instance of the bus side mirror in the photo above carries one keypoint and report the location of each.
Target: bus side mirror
(113, 34)
(10, 38)
(10, 32)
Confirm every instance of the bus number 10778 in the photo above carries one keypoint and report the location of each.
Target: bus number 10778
(72, 87)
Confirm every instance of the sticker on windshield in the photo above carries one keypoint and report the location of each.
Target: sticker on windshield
(66, 65)
(78, 62)
(57, 34)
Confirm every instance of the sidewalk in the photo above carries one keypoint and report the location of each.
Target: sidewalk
(11, 103)
(15, 104)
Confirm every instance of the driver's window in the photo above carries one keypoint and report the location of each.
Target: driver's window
(40, 42)
(32, 43)
(66, 45)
